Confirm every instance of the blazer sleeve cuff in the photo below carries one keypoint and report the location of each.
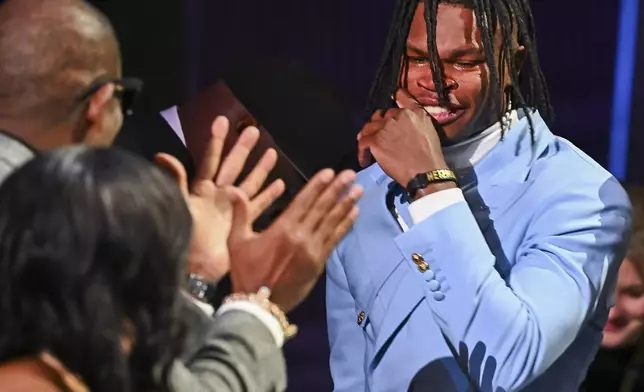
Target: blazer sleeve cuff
(456, 256)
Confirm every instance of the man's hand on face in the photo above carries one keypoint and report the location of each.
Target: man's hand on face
(210, 198)
(403, 141)
(291, 254)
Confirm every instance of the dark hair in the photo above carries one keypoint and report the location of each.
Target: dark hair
(529, 90)
(92, 250)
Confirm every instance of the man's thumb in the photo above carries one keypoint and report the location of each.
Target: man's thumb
(405, 100)
(241, 210)
(176, 169)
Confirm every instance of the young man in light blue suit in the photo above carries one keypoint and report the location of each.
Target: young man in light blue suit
(486, 252)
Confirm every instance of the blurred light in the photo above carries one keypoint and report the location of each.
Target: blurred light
(623, 87)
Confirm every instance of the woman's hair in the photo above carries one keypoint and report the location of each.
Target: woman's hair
(635, 255)
(92, 248)
(636, 247)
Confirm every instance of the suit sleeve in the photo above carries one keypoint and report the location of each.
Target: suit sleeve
(238, 354)
(346, 338)
(526, 321)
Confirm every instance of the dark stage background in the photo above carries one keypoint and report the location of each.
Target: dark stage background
(179, 47)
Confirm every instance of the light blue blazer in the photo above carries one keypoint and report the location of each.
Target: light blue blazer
(518, 285)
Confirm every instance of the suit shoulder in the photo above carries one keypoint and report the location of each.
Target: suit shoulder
(569, 160)
(566, 167)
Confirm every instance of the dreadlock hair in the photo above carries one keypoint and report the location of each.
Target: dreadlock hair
(528, 88)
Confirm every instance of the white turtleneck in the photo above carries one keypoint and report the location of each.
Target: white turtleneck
(465, 154)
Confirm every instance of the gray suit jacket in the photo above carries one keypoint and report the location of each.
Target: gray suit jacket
(233, 352)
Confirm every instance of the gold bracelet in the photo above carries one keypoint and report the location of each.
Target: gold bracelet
(261, 298)
(441, 175)
(423, 180)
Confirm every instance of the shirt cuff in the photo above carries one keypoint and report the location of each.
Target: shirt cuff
(427, 206)
(262, 315)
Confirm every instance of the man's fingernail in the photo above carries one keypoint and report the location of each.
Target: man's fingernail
(355, 192)
(326, 175)
(348, 176)
(250, 132)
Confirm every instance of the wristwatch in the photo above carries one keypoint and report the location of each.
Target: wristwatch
(200, 288)
(423, 180)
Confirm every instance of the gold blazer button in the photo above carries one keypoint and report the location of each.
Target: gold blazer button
(420, 262)
(361, 317)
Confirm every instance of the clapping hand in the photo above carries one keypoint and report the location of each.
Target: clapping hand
(290, 255)
(211, 194)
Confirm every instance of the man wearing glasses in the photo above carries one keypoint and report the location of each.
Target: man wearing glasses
(61, 84)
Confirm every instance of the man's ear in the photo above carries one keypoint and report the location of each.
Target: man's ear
(97, 108)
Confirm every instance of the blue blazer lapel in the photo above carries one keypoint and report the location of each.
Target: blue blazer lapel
(503, 175)
(405, 298)
(388, 269)
(373, 241)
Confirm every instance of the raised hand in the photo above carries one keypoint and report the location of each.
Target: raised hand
(211, 194)
(404, 141)
(290, 255)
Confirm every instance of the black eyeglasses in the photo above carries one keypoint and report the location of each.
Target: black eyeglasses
(126, 90)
